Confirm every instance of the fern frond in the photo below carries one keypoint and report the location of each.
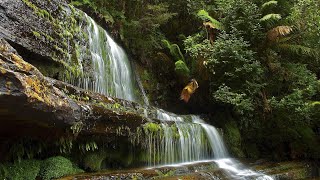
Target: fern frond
(204, 15)
(177, 52)
(278, 32)
(174, 50)
(299, 50)
(271, 17)
(269, 3)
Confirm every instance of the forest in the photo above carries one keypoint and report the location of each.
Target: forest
(66, 99)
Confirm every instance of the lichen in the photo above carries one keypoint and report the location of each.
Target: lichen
(20, 63)
(3, 71)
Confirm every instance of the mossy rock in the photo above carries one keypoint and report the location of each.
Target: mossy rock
(93, 160)
(151, 128)
(56, 167)
(106, 158)
(182, 69)
(233, 137)
(23, 170)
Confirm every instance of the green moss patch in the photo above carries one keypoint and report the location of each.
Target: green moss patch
(23, 170)
(56, 167)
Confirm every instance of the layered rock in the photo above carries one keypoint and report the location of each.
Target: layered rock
(37, 107)
(45, 33)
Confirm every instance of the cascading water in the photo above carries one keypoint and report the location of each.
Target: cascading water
(111, 69)
(190, 139)
(179, 139)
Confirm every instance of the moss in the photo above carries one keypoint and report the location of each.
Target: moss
(3, 171)
(2, 70)
(93, 160)
(306, 145)
(56, 167)
(151, 128)
(24, 170)
(48, 37)
(233, 138)
(36, 34)
(181, 68)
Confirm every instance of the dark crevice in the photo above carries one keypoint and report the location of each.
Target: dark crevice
(46, 65)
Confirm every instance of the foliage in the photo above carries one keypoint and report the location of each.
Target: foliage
(204, 15)
(174, 50)
(259, 59)
(181, 68)
(23, 170)
(262, 67)
(56, 167)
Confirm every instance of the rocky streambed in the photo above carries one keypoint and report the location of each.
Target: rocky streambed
(208, 170)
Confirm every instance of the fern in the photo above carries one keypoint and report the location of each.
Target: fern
(278, 32)
(270, 17)
(174, 50)
(204, 15)
(299, 50)
(269, 3)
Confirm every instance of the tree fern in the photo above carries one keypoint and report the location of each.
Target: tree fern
(270, 17)
(299, 50)
(278, 32)
(269, 3)
(204, 15)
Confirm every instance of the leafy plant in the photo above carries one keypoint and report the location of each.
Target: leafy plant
(204, 15)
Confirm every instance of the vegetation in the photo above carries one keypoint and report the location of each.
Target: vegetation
(56, 167)
(259, 60)
(257, 64)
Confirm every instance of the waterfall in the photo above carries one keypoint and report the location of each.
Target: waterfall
(183, 139)
(214, 138)
(179, 139)
(111, 72)
(188, 138)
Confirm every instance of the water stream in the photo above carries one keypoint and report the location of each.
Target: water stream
(111, 72)
(197, 142)
(182, 139)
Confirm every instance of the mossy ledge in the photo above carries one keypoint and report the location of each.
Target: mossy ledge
(52, 33)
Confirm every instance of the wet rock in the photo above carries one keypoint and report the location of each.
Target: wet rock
(32, 105)
(45, 33)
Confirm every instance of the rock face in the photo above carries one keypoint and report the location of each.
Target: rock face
(45, 33)
(32, 105)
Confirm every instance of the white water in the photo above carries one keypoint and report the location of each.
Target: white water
(111, 69)
(183, 139)
(235, 169)
(197, 142)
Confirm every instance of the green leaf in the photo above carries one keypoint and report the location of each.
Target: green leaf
(204, 15)
(271, 17)
(269, 3)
